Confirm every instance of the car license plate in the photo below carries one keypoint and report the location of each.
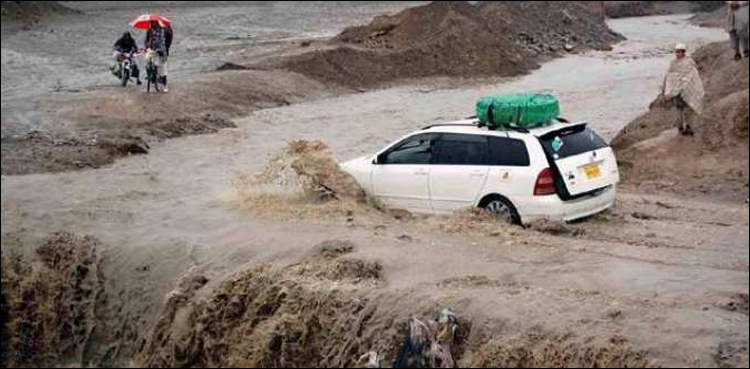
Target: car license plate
(592, 171)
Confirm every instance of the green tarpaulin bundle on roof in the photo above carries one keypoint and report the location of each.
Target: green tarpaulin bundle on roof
(518, 110)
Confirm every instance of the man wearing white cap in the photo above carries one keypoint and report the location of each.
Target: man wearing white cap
(683, 87)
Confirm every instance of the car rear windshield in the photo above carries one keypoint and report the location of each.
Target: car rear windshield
(571, 142)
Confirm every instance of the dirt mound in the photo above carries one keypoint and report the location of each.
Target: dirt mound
(293, 316)
(457, 39)
(31, 11)
(716, 161)
(545, 351)
(49, 307)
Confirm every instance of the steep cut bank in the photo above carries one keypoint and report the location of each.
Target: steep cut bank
(48, 306)
(456, 39)
(333, 310)
(715, 162)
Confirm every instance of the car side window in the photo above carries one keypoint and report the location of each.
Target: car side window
(508, 152)
(458, 149)
(415, 150)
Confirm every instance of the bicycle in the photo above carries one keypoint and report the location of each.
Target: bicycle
(152, 72)
(125, 68)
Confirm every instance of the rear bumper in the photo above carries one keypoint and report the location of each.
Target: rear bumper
(552, 207)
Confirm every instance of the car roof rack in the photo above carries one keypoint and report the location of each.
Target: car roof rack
(562, 120)
(451, 125)
(478, 125)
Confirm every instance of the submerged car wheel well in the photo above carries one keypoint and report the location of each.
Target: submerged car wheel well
(488, 199)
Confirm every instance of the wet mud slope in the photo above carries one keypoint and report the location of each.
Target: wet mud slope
(715, 162)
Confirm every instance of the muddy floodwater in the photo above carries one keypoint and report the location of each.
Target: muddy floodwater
(660, 280)
(63, 53)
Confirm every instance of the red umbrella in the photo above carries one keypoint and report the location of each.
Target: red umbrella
(144, 21)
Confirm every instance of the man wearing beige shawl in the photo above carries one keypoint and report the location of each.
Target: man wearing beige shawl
(683, 86)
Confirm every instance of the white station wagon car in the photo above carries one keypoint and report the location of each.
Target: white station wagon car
(562, 171)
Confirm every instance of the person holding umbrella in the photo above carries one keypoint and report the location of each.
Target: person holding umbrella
(158, 40)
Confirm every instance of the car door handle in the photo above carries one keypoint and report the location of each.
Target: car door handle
(421, 172)
(477, 173)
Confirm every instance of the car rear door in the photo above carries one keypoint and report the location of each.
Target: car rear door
(400, 177)
(510, 174)
(583, 161)
(458, 172)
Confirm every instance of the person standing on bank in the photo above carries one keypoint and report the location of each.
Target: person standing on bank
(684, 88)
(737, 26)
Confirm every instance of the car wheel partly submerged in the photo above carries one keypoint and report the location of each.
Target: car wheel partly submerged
(503, 210)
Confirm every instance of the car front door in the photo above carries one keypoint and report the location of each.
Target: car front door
(459, 171)
(401, 175)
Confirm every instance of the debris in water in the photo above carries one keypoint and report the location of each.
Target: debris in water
(470, 221)
(556, 228)
(643, 216)
(739, 303)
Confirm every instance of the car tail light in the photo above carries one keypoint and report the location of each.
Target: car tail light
(545, 184)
